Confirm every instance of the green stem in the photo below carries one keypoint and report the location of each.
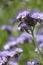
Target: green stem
(35, 43)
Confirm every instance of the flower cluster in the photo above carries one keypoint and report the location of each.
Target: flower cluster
(30, 18)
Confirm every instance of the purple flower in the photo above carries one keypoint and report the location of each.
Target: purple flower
(23, 14)
(39, 39)
(12, 63)
(7, 28)
(34, 62)
(41, 45)
(39, 31)
(10, 45)
(11, 53)
(24, 37)
(32, 21)
(27, 20)
(35, 14)
(29, 63)
(12, 20)
(3, 60)
(4, 53)
(41, 15)
(19, 50)
(12, 38)
(23, 27)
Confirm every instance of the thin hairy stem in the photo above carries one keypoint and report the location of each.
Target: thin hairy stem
(35, 43)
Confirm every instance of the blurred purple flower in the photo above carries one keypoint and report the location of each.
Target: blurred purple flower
(23, 27)
(35, 14)
(12, 63)
(8, 28)
(27, 19)
(12, 38)
(39, 31)
(41, 45)
(3, 60)
(23, 14)
(33, 62)
(39, 39)
(29, 63)
(32, 21)
(4, 53)
(19, 50)
(41, 15)
(23, 37)
(11, 53)
(12, 20)
(10, 45)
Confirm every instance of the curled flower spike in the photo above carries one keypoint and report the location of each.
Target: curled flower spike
(12, 38)
(28, 18)
(34, 14)
(23, 27)
(11, 53)
(23, 14)
(24, 37)
(7, 28)
(10, 45)
(33, 18)
(37, 16)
